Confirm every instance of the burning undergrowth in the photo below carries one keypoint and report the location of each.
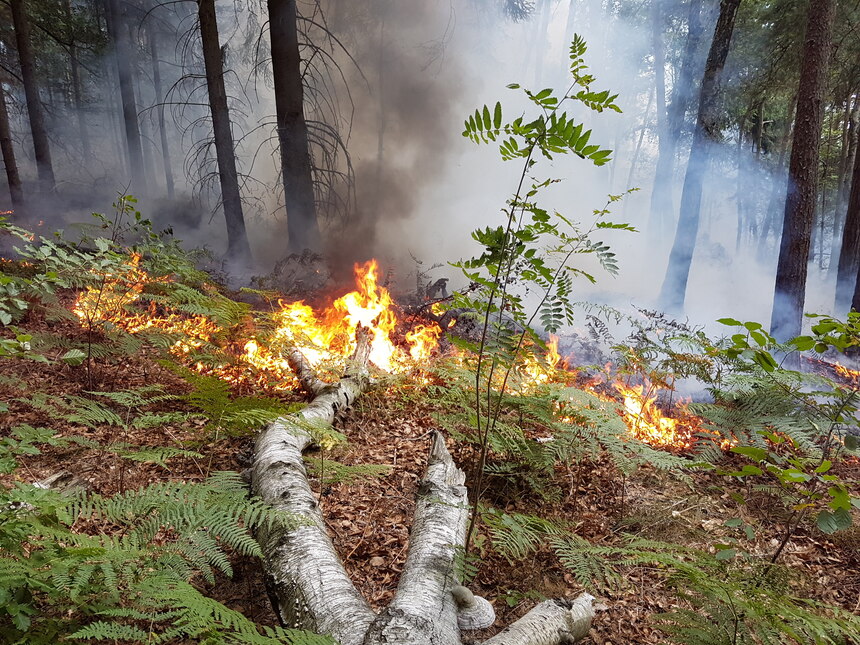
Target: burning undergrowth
(249, 349)
(245, 351)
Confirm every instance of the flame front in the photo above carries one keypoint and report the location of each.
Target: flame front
(646, 421)
(327, 336)
(322, 337)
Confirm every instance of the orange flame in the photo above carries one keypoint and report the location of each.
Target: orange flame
(646, 421)
(323, 337)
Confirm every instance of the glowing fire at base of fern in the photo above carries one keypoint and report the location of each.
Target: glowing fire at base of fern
(324, 337)
(327, 337)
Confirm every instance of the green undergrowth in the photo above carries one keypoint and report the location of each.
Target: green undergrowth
(135, 566)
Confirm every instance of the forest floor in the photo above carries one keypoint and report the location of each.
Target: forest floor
(369, 517)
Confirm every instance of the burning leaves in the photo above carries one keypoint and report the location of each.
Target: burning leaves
(326, 337)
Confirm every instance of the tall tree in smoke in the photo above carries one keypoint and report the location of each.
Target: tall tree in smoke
(14, 181)
(674, 289)
(41, 147)
(77, 91)
(159, 97)
(118, 27)
(790, 288)
(238, 248)
(682, 95)
(849, 256)
(661, 197)
(302, 225)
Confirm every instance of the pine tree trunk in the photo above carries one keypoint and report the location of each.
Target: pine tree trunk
(661, 196)
(238, 249)
(849, 254)
(777, 193)
(790, 286)
(674, 289)
(159, 97)
(302, 225)
(146, 141)
(661, 216)
(15, 191)
(846, 166)
(41, 147)
(122, 52)
(77, 92)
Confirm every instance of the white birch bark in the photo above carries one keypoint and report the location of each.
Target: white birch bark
(306, 578)
(423, 609)
(550, 623)
(304, 573)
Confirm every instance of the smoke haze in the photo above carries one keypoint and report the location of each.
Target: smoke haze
(414, 70)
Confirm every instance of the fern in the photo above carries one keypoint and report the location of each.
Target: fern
(729, 603)
(132, 565)
(211, 395)
(516, 535)
(331, 472)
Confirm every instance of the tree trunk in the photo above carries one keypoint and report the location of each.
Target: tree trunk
(15, 191)
(661, 216)
(238, 249)
(41, 147)
(634, 161)
(777, 193)
(661, 196)
(306, 578)
(674, 289)
(541, 36)
(77, 93)
(302, 225)
(845, 183)
(159, 97)
(790, 287)
(122, 52)
(569, 28)
(849, 255)
(146, 140)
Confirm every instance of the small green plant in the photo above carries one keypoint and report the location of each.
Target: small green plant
(532, 249)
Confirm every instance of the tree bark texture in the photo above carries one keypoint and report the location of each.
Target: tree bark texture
(118, 27)
(159, 97)
(41, 147)
(238, 248)
(14, 180)
(302, 225)
(310, 587)
(674, 289)
(549, 623)
(790, 287)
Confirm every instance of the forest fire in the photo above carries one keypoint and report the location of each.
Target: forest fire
(330, 334)
(327, 337)
(648, 423)
(322, 337)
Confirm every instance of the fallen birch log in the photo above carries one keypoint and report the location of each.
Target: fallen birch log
(309, 585)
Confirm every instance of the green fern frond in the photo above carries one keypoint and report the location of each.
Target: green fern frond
(331, 472)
